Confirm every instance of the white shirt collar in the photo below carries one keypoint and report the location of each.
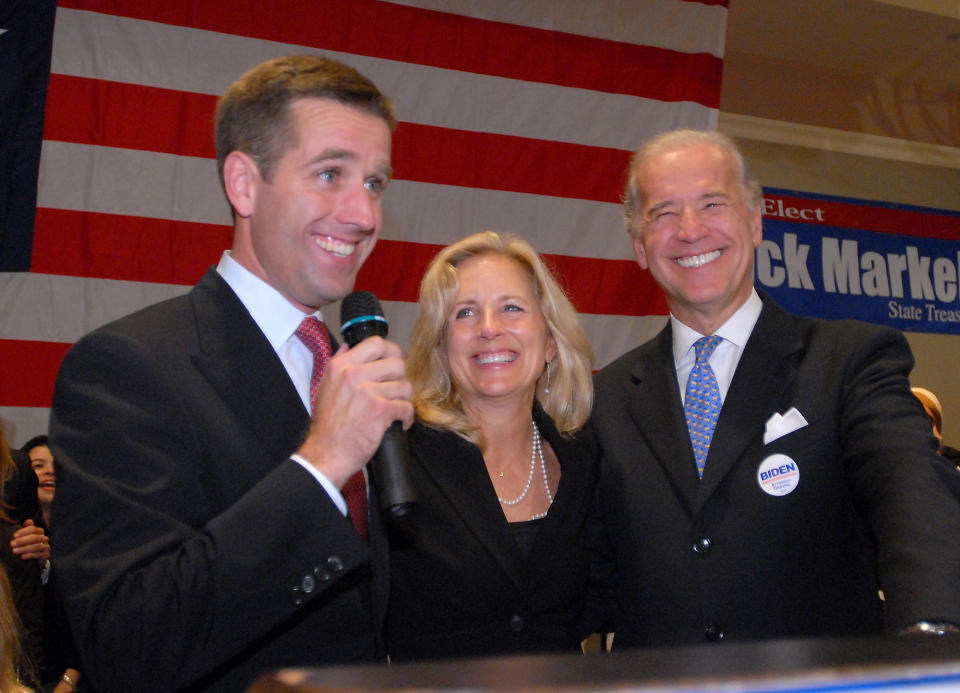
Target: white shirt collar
(736, 330)
(276, 317)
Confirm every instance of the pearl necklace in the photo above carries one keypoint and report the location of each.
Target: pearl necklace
(536, 451)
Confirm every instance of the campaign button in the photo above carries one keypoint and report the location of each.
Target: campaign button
(778, 475)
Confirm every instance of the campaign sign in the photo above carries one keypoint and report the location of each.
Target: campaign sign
(889, 264)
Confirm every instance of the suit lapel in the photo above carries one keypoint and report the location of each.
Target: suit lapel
(658, 414)
(457, 468)
(239, 363)
(765, 370)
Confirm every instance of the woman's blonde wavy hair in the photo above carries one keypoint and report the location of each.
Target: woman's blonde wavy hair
(568, 397)
(12, 663)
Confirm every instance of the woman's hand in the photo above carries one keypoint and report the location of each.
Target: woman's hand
(31, 542)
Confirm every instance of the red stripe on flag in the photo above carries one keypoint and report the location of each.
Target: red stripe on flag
(884, 219)
(456, 42)
(515, 164)
(28, 371)
(394, 269)
(609, 287)
(131, 116)
(111, 246)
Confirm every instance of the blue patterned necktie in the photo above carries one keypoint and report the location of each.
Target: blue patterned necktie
(701, 404)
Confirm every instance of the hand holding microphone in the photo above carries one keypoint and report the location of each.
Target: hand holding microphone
(361, 317)
(362, 391)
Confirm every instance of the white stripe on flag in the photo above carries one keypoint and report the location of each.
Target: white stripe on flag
(183, 188)
(73, 305)
(105, 300)
(690, 27)
(94, 45)
(23, 423)
(206, 62)
(132, 182)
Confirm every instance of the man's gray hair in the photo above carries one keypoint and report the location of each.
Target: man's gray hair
(680, 139)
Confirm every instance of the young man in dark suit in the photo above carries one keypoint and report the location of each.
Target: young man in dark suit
(763, 475)
(203, 538)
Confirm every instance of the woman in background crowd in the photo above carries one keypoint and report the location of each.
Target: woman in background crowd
(24, 550)
(59, 674)
(933, 408)
(41, 461)
(493, 559)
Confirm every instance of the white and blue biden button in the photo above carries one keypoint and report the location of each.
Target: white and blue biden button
(778, 475)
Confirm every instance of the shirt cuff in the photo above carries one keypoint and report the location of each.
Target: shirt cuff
(331, 490)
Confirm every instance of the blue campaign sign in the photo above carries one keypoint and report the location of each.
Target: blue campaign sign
(835, 257)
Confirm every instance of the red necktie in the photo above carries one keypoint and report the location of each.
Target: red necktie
(316, 338)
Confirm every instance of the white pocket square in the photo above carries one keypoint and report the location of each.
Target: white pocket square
(780, 425)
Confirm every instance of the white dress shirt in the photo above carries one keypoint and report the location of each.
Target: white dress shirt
(279, 319)
(735, 332)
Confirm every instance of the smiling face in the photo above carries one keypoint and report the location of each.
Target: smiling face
(697, 234)
(307, 230)
(497, 341)
(41, 460)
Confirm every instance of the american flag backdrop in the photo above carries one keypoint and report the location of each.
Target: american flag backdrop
(515, 115)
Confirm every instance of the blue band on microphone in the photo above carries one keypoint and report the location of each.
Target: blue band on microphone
(363, 318)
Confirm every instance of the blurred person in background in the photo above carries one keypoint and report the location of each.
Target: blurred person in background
(934, 409)
(60, 672)
(41, 461)
(24, 552)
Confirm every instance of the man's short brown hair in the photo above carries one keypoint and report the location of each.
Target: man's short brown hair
(252, 116)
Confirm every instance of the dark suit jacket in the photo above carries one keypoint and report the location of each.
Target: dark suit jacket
(460, 584)
(191, 552)
(718, 557)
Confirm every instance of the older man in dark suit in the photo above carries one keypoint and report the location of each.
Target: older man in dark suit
(202, 527)
(763, 475)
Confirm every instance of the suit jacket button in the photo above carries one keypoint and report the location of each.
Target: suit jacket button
(296, 596)
(334, 564)
(701, 545)
(713, 632)
(516, 623)
(308, 584)
(321, 574)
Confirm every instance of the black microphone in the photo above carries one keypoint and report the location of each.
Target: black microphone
(362, 317)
